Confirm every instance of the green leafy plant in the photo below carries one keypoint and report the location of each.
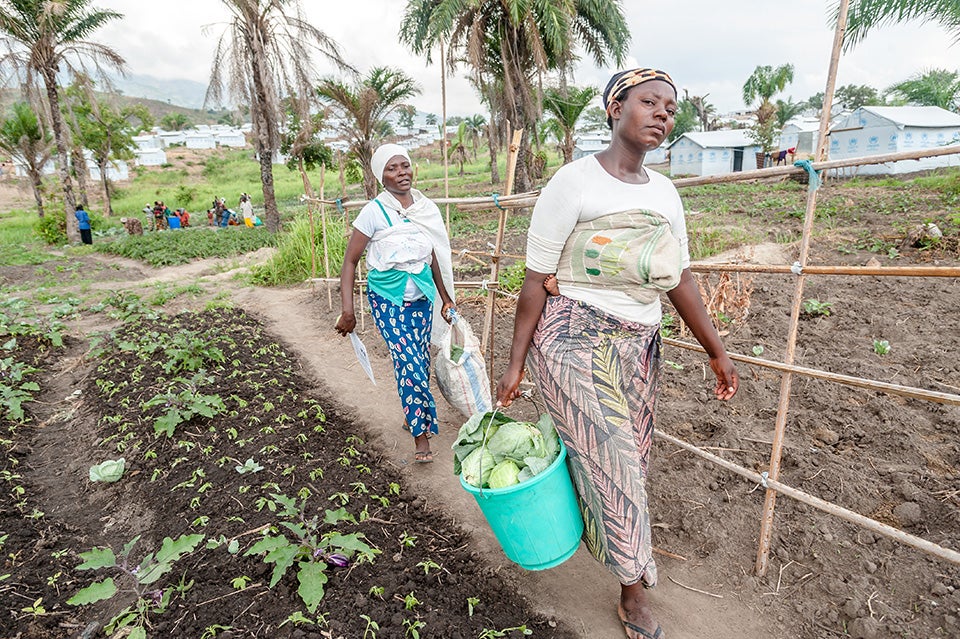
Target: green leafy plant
(816, 308)
(140, 577)
(371, 629)
(312, 550)
(471, 604)
(15, 388)
(881, 346)
(181, 406)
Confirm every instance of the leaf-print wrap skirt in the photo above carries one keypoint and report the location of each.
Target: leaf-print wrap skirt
(599, 376)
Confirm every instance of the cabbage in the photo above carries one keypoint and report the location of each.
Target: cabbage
(493, 451)
(504, 474)
(477, 466)
(516, 440)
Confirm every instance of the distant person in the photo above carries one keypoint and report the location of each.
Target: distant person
(159, 219)
(246, 210)
(83, 222)
(133, 225)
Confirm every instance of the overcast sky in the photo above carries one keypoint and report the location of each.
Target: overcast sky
(708, 47)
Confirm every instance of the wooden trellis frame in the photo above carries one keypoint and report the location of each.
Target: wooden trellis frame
(768, 479)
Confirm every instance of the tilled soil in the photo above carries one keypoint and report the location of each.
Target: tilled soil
(415, 573)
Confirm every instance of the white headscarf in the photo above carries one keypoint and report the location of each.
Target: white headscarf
(425, 214)
(382, 155)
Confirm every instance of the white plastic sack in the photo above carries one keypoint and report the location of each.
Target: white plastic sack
(460, 370)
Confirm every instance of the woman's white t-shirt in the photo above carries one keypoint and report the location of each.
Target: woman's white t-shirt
(583, 191)
(410, 250)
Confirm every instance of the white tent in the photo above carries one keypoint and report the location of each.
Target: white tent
(877, 130)
(201, 140)
(150, 157)
(712, 153)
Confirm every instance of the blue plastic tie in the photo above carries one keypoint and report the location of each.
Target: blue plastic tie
(814, 177)
(496, 201)
(339, 203)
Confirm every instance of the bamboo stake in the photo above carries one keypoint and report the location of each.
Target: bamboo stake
(770, 500)
(443, 141)
(524, 200)
(490, 317)
(820, 504)
(846, 380)
(819, 165)
(323, 221)
(878, 271)
(313, 241)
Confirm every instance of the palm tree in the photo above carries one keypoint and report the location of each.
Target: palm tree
(458, 145)
(515, 41)
(566, 105)
(23, 137)
(363, 107)
(705, 110)
(764, 83)
(935, 87)
(786, 110)
(865, 15)
(175, 122)
(46, 37)
(475, 126)
(264, 54)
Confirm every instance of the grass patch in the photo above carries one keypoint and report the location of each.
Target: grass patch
(167, 248)
(294, 261)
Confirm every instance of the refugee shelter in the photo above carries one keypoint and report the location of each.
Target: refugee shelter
(800, 133)
(150, 157)
(880, 130)
(712, 153)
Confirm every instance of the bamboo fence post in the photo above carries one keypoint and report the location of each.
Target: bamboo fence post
(313, 241)
(443, 126)
(326, 249)
(786, 381)
(490, 316)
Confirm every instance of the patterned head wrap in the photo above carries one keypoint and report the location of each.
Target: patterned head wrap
(624, 80)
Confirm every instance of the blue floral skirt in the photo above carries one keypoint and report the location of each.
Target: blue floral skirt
(406, 330)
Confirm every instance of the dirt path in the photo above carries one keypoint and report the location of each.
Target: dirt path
(580, 592)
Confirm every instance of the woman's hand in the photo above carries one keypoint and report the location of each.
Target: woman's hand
(346, 323)
(508, 389)
(447, 311)
(727, 379)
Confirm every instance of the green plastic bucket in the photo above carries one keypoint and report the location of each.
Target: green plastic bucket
(537, 522)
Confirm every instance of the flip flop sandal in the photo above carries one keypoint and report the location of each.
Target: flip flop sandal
(423, 457)
(634, 631)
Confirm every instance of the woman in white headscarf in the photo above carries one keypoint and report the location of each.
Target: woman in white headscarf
(409, 282)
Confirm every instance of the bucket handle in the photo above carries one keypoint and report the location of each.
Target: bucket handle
(483, 444)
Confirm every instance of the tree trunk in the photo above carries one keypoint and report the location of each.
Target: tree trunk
(492, 144)
(307, 187)
(69, 203)
(80, 170)
(568, 147)
(266, 127)
(102, 165)
(37, 181)
(271, 212)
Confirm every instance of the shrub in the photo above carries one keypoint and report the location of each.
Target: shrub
(52, 229)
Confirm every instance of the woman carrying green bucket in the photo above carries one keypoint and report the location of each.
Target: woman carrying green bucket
(613, 232)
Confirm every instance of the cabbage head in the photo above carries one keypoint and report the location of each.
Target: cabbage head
(476, 467)
(516, 440)
(504, 474)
